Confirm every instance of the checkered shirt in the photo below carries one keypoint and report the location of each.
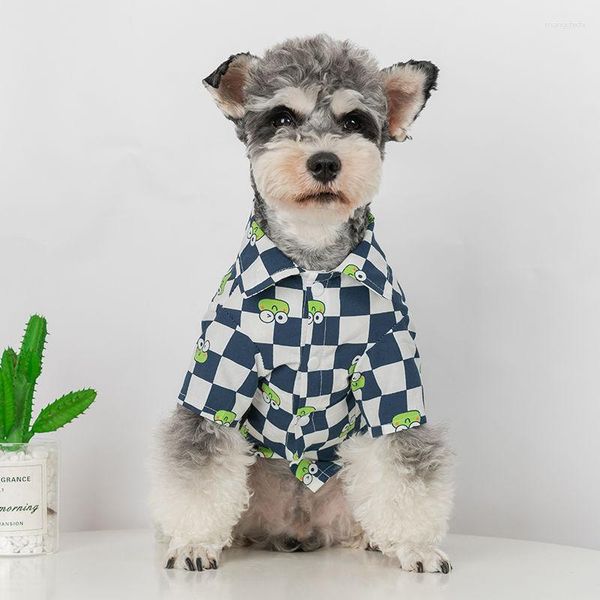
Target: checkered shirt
(299, 360)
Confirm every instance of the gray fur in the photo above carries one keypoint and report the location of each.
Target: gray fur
(190, 441)
(424, 451)
(302, 62)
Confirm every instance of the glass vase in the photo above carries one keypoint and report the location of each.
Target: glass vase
(28, 498)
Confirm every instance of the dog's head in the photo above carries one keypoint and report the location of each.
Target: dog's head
(315, 115)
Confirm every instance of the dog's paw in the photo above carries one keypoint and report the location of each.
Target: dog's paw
(423, 561)
(192, 556)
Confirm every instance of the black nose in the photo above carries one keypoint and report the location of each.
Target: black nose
(324, 166)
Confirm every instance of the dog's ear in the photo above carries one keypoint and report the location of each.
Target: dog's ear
(407, 88)
(226, 84)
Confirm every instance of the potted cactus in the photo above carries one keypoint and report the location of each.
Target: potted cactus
(29, 469)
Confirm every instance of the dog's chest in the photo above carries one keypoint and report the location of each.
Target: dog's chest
(311, 328)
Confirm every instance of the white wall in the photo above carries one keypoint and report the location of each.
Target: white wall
(124, 192)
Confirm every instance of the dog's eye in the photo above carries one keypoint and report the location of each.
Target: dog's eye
(352, 122)
(358, 121)
(283, 118)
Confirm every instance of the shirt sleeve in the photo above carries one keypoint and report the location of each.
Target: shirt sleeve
(386, 383)
(222, 378)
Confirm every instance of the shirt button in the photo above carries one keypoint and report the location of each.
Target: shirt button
(317, 289)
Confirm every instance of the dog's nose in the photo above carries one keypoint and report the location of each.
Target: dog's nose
(324, 166)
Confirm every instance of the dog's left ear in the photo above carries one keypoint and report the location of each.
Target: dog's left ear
(226, 84)
(407, 88)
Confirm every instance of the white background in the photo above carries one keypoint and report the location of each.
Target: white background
(124, 194)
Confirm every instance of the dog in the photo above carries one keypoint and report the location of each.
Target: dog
(300, 423)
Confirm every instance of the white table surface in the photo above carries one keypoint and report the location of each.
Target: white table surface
(115, 565)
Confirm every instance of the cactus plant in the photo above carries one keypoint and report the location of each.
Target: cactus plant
(18, 376)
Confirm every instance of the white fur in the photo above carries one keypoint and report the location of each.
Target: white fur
(314, 233)
(403, 515)
(346, 100)
(281, 176)
(301, 100)
(197, 506)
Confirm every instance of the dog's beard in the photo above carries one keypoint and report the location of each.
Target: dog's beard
(322, 197)
(284, 182)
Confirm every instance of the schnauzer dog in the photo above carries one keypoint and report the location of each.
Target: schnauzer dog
(301, 420)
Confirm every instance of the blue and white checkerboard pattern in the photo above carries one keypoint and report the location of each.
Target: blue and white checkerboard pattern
(299, 360)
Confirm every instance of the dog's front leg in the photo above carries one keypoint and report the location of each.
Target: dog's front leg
(199, 488)
(400, 489)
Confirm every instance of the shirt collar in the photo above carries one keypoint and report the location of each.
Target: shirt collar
(261, 264)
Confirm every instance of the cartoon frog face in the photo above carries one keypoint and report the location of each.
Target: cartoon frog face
(271, 309)
(406, 420)
(244, 431)
(264, 452)
(303, 415)
(357, 381)
(353, 365)
(224, 417)
(202, 348)
(305, 470)
(348, 427)
(355, 272)
(316, 311)
(370, 217)
(254, 233)
(223, 283)
(270, 397)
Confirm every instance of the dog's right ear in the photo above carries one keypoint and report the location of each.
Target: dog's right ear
(408, 86)
(226, 84)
